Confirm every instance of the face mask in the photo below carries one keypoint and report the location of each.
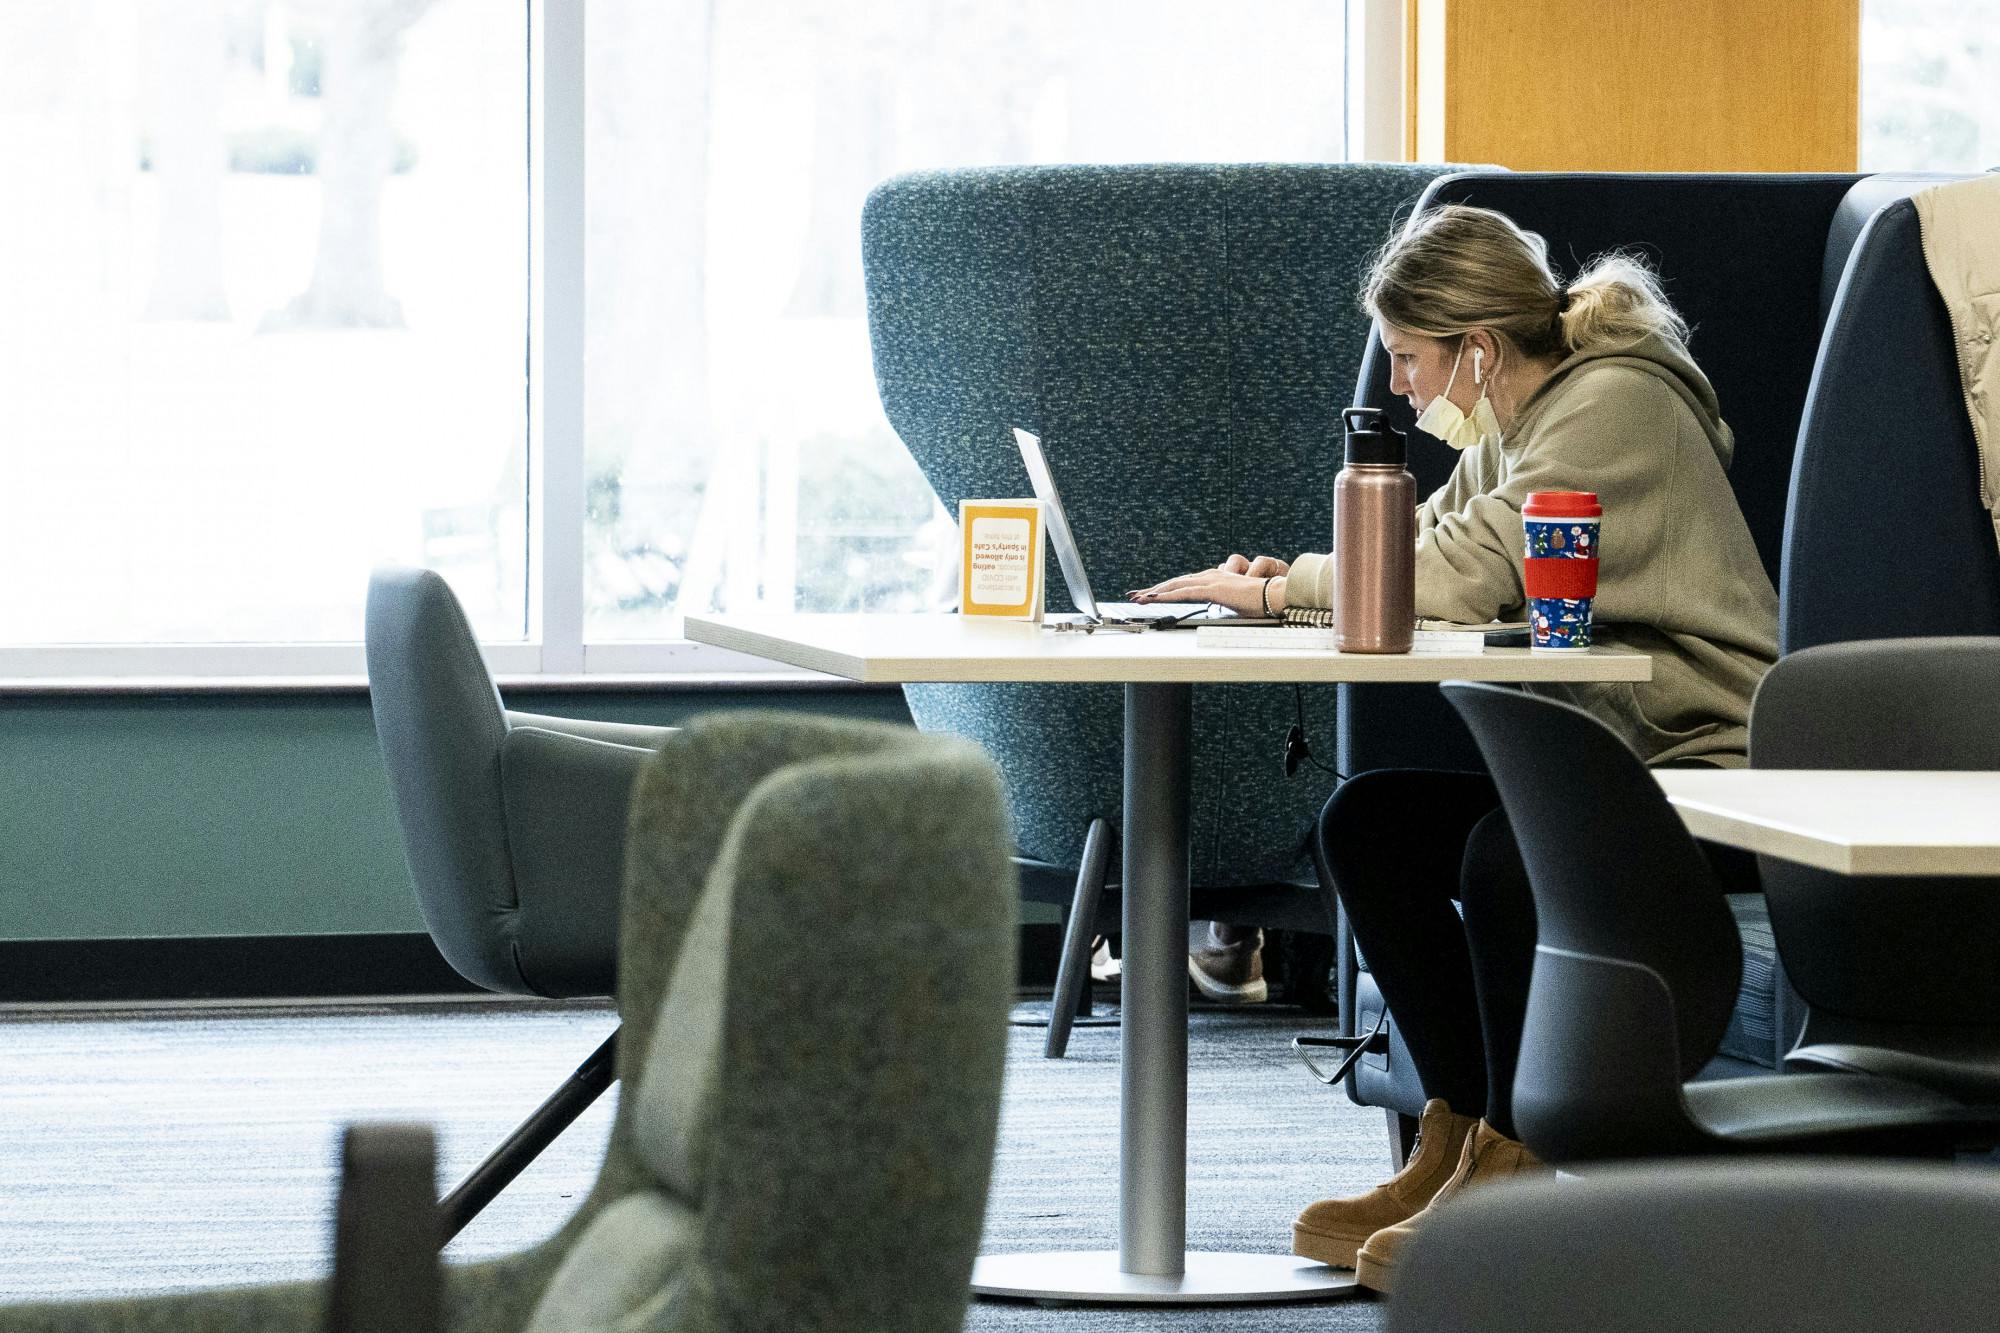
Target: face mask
(1446, 420)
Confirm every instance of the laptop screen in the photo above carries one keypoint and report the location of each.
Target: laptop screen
(1057, 522)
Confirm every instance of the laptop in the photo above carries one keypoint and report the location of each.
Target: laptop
(1090, 613)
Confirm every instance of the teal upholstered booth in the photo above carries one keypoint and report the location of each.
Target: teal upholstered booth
(1183, 339)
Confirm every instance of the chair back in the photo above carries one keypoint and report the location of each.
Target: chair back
(1741, 256)
(1902, 949)
(1183, 338)
(817, 962)
(440, 725)
(1886, 448)
(1845, 1247)
(1637, 957)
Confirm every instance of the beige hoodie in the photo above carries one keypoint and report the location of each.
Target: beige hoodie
(1680, 578)
(1960, 225)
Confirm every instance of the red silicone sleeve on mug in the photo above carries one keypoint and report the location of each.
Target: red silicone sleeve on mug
(1559, 576)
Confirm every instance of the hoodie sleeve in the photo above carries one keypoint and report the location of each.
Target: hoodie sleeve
(1477, 470)
(1614, 430)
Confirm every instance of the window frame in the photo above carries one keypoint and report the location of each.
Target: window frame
(555, 648)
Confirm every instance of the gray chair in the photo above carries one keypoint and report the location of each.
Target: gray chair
(1752, 261)
(513, 827)
(1778, 1246)
(1183, 339)
(1637, 961)
(1897, 972)
(817, 955)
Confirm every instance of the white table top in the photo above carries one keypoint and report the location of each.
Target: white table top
(1850, 822)
(908, 648)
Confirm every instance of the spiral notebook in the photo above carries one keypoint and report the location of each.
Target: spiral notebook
(1318, 635)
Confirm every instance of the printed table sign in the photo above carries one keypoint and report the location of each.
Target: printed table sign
(1001, 563)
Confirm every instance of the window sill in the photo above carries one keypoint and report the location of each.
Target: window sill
(665, 682)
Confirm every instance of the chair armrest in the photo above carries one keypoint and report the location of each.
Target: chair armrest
(386, 1275)
(387, 1228)
(567, 799)
(618, 733)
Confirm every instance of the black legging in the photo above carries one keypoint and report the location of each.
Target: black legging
(1402, 844)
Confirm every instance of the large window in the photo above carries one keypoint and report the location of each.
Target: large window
(264, 315)
(268, 316)
(737, 455)
(1929, 69)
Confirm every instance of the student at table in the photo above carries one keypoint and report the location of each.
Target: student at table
(1543, 385)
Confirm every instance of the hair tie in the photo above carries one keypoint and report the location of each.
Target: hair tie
(1562, 297)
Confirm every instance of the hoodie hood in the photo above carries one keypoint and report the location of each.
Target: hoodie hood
(1666, 359)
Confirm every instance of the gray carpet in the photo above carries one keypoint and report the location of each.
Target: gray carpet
(196, 1147)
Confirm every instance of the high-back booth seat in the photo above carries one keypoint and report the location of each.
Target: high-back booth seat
(1183, 339)
(1748, 259)
(816, 954)
(1886, 454)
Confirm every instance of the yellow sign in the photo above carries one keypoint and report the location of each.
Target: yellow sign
(1000, 565)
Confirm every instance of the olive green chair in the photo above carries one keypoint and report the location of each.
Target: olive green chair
(816, 961)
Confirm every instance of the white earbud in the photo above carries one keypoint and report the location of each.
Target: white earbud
(1478, 355)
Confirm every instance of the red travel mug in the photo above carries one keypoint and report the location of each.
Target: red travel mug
(1559, 573)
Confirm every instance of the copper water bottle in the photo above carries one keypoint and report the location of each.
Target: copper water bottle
(1374, 538)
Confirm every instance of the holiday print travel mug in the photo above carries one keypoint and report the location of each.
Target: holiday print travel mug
(1560, 572)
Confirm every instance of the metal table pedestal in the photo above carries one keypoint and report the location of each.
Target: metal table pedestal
(1152, 1263)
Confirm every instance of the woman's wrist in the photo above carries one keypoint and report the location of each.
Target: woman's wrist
(1274, 596)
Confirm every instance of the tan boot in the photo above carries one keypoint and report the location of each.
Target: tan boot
(1488, 1155)
(1333, 1229)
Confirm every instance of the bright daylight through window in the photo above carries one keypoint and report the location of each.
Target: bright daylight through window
(738, 456)
(1928, 71)
(266, 322)
(265, 313)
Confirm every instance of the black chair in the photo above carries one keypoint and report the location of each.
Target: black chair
(514, 829)
(1856, 1247)
(1637, 961)
(1898, 972)
(1749, 259)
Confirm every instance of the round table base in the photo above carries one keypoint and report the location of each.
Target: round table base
(1210, 1278)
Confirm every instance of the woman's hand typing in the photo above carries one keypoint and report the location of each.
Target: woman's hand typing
(1238, 583)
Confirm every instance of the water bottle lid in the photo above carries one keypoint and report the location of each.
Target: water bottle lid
(1562, 504)
(1371, 439)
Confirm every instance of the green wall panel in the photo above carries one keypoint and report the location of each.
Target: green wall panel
(208, 814)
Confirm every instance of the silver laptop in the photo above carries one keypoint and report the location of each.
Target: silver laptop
(1160, 615)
